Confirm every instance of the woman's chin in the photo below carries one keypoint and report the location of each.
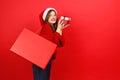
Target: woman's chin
(53, 22)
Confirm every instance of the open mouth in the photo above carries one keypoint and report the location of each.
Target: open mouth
(53, 19)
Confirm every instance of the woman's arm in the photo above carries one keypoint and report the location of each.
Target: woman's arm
(58, 35)
(58, 39)
(55, 37)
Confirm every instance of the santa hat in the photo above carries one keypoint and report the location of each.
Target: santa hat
(46, 12)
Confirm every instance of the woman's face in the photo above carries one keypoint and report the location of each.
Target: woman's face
(52, 17)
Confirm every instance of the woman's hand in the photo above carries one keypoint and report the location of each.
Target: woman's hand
(65, 26)
(61, 24)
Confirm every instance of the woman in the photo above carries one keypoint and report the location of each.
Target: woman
(52, 31)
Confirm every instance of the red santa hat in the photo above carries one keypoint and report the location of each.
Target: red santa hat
(46, 12)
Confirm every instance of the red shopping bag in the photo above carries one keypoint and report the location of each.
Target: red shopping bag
(34, 48)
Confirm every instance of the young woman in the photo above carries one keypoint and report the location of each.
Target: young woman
(52, 31)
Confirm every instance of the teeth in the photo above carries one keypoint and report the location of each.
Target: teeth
(53, 19)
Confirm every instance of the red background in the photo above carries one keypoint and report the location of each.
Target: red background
(92, 48)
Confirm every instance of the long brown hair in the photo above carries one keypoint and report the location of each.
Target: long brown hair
(54, 26)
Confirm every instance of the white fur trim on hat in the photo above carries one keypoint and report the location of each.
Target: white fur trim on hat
(46, 12)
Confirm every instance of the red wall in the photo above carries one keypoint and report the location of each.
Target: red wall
(92, 48)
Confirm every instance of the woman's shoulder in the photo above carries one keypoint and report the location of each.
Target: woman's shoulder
(47, 27)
